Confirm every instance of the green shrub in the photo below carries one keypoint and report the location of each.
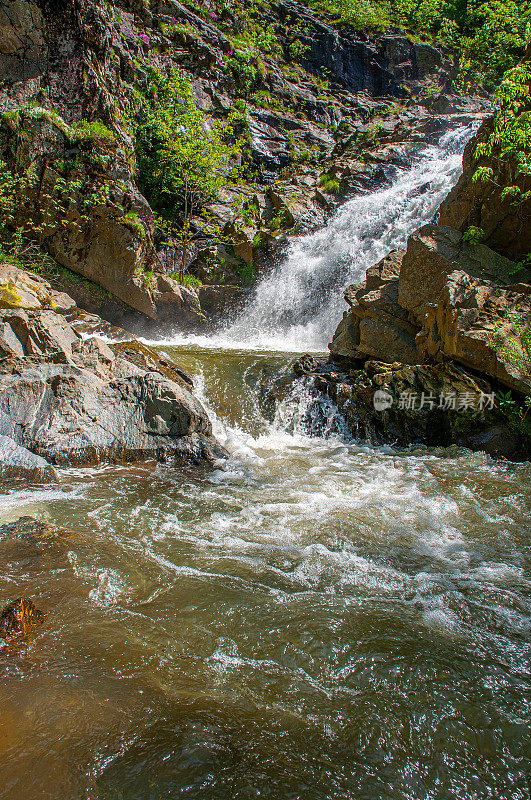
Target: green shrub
(182, 159)
(329, 184)
(511, 340)
(473, 235)
(243, 66)
(190, 281)
(508, 148)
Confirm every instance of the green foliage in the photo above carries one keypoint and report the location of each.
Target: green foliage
(511, 340)
(246, 271)
(303, 156)
(190, 281)
(82, 131)
(243, 66)
(240, 105)
(329, 184)
(473, 235)
(508, 147)
(148, 279)
(362, 14)
(132, 220)
(493, 37)
(182, 158)
(516, 413)
(91, 131)
(9, 187)
(490, 36)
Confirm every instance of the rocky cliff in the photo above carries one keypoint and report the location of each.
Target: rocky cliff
(461, 291)
(449, 317)
(74, 75)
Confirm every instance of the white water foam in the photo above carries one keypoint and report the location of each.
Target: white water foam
(297, 307)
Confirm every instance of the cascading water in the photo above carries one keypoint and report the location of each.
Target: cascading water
(301, 303)
(298, 306)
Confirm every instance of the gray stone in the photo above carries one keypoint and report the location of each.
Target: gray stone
(74, 401)
(17, 462)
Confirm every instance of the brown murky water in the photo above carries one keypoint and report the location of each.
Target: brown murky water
(313, 619)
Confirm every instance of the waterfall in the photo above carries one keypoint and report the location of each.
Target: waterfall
(298, 306)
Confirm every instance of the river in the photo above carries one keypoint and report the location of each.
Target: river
(314, 618)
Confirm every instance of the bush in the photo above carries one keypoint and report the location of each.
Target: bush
(490, 37)
(508, 148)
(511, 340)
(182, 158)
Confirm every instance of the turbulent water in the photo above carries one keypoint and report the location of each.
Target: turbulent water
(313, 619)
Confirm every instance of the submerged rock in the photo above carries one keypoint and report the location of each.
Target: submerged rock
(19, 617)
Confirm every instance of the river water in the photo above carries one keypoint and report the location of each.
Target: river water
(313, 618)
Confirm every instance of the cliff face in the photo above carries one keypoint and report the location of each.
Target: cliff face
(461, 291)
(436, 334)
(72, 76)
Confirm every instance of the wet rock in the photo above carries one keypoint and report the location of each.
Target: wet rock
(269, 146)
(216, 301)
(147, 359)
(435, 405)
(439, 300)
(462, 325)
(29, 529)
(19, 617)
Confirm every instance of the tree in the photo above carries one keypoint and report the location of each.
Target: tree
(184, 159)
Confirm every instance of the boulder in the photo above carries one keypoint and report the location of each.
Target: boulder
(463, 324)
(217, 301)
(176, 304)
(74, 401)
(376, 325)
(20, 289)
(31, 333)
(17, 462)
(433, 252)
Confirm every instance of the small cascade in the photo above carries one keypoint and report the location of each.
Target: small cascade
(307, 412)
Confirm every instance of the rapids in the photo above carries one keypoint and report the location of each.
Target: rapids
(313, 618)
